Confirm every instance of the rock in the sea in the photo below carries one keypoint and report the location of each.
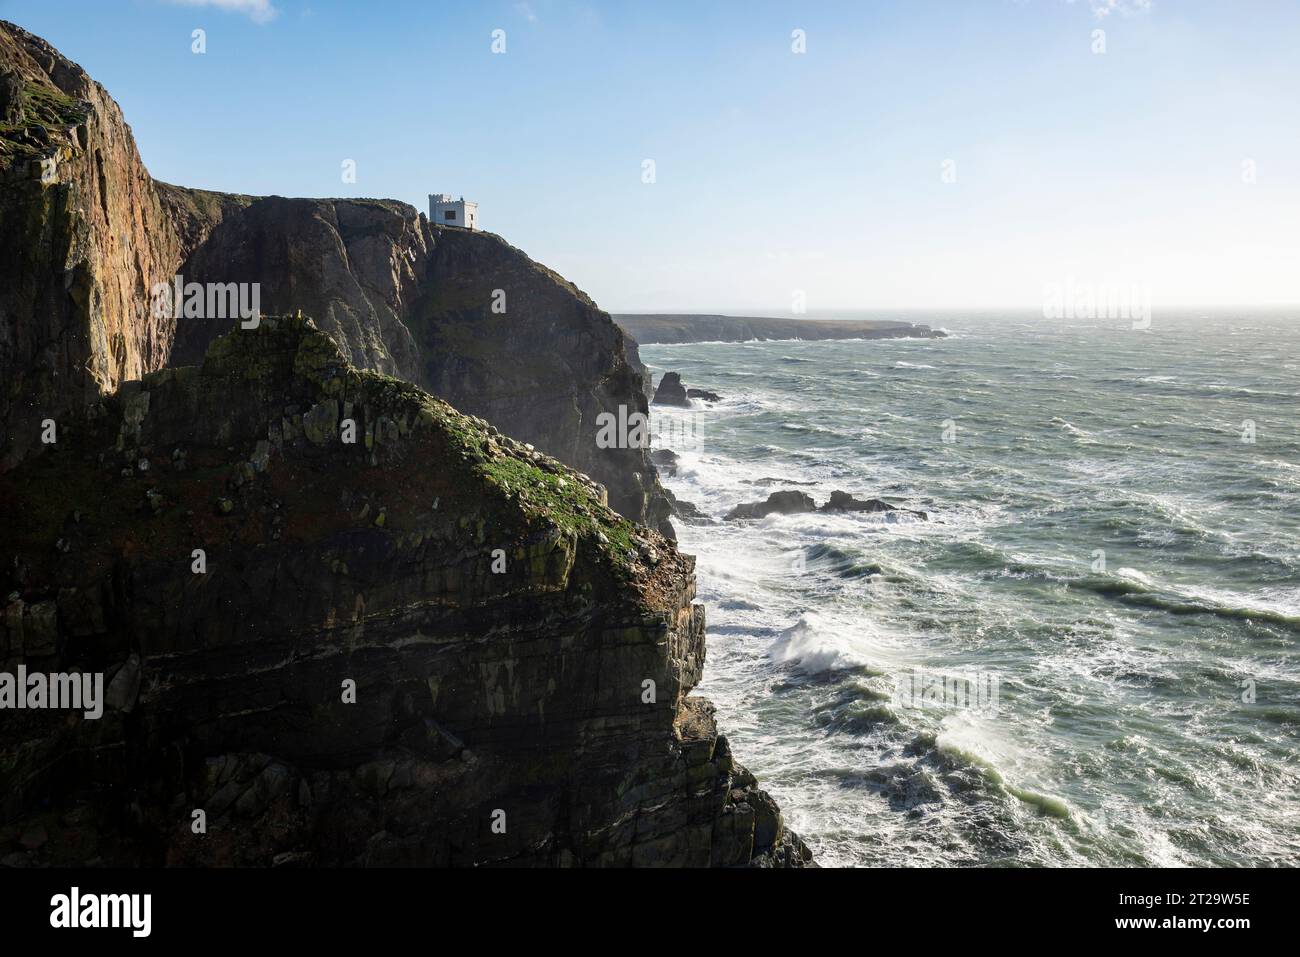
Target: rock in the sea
(768, 481)
(671, 391)
(791, 502)
(788, 502)
(686, 511)
(844, 502)
(665, 460)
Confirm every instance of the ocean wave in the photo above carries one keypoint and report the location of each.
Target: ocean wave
(1241, 390)
(808, 428)
(813, 645)
(1102, 675)
(838, 562)
(1138, 589)
(1082, 436)
(1043, 803)
(862, 711)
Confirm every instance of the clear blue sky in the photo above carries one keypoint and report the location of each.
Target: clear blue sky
(775, 171)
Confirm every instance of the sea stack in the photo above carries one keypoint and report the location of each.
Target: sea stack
(671, 391)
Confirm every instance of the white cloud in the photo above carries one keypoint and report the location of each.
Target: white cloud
(1104, 8)
(525, 10)
(259, 11)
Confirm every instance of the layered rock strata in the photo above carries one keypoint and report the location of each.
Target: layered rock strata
(431, 646)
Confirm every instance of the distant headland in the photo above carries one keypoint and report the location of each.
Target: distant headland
(648, 329)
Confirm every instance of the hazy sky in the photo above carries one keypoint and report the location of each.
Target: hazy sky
(775, 171)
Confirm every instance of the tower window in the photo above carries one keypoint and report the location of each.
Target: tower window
(449, 214)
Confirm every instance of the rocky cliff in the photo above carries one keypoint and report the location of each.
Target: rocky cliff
(431, 645)
(337, 620)
(83, 238)
(463, 314)
(86, 234)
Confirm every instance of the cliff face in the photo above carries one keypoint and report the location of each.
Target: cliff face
(462, 314)
(83, 239)
(86, 234)
(350, 265)
(433, 645)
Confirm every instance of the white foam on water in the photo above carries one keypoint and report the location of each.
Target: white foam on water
(814, 644)
(1149, 654)
(1134, 575)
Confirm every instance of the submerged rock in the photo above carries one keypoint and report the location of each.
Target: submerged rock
(686, 511)
(792, 502)
(769, 481)
(665, 460)
(787, 502)
(844, 502)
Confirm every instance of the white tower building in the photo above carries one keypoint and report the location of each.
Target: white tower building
(445, 211)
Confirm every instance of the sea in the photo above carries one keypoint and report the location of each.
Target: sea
(1086, 654)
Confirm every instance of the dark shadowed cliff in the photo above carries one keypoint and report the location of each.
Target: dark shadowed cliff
(517, 653)
(417, 301)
